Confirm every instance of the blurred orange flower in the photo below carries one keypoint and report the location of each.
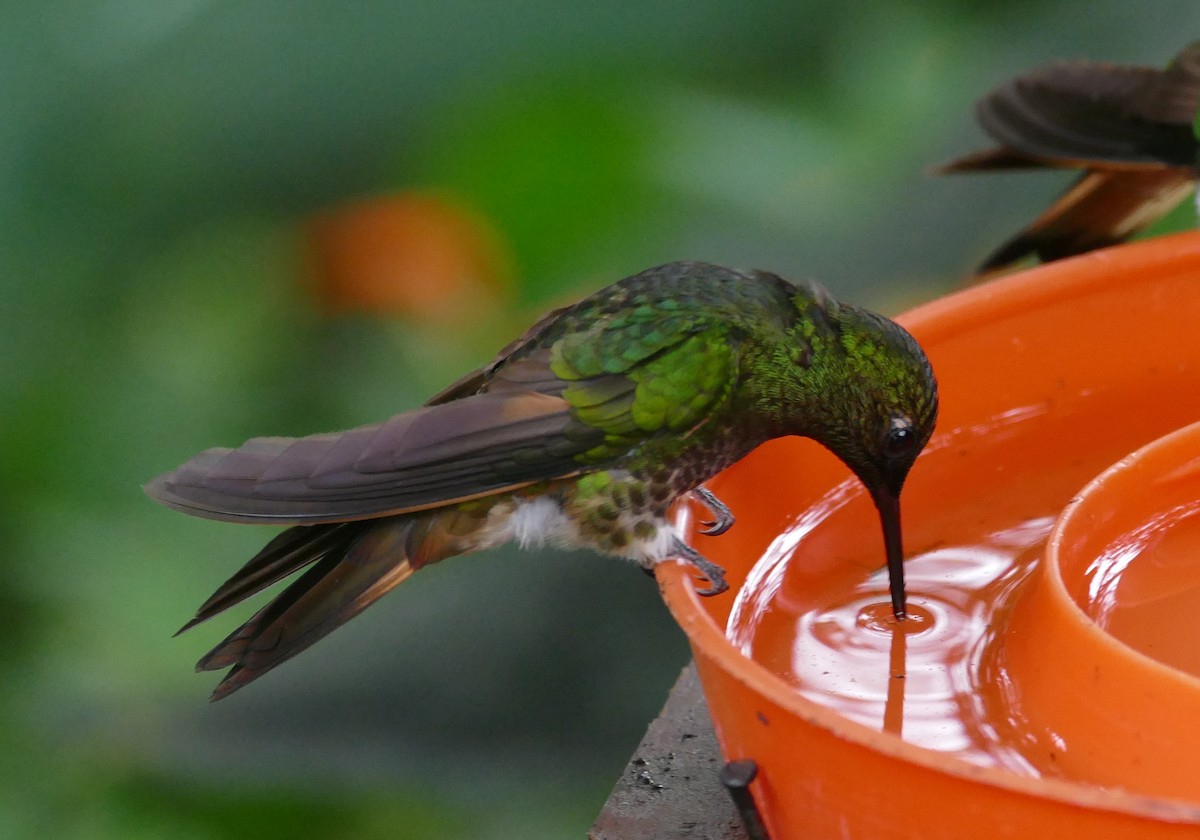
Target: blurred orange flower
(418, 255)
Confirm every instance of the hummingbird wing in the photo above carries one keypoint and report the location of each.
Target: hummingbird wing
(1084, 114)
(575, 393)
(1175, 96)
(1130, 130)
(422, 458)
(479, 379)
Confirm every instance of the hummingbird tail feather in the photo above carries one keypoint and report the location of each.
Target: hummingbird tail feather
(352, 566)
(989, 160)
(1013, 250)
(289, 552)
(1097, 210)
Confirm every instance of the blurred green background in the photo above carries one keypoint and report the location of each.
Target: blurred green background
(160, 161)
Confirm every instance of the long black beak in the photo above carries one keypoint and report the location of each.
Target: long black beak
(888, 504)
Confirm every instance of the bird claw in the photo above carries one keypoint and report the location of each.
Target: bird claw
(706, 567)
(718, 586)
(723, 517)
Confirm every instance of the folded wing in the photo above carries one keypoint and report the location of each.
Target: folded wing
(423, 458)
(1076, 114)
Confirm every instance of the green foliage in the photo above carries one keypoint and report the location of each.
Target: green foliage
(556, 166)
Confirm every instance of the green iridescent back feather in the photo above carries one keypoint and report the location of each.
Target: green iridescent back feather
(656, 359)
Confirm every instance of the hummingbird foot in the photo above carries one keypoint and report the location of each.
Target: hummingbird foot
(723, 517)
(714, 573)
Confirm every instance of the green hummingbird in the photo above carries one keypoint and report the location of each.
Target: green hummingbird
(1132, 130)
(583, 432)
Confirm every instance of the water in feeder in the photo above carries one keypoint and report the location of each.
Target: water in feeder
(938, 680)
(1143, 581)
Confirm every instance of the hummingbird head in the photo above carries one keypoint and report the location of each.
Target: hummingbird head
(890, 401)
(878, 405)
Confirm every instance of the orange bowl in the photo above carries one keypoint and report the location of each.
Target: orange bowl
(1120, 590)
(1047, 378)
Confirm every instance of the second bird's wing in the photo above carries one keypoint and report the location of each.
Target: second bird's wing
(1079, 114)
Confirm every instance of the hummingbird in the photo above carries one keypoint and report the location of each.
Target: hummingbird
(1133, 131)
(581, 433)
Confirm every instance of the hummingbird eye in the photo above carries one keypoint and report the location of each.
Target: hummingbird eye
(900, 438)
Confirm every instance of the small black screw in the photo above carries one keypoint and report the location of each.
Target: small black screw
(736, 776)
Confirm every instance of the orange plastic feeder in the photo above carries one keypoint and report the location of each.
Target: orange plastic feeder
(1046, 684)
(1120, 588)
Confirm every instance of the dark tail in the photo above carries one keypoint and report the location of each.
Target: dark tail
(350, 566)
(1100, 208)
